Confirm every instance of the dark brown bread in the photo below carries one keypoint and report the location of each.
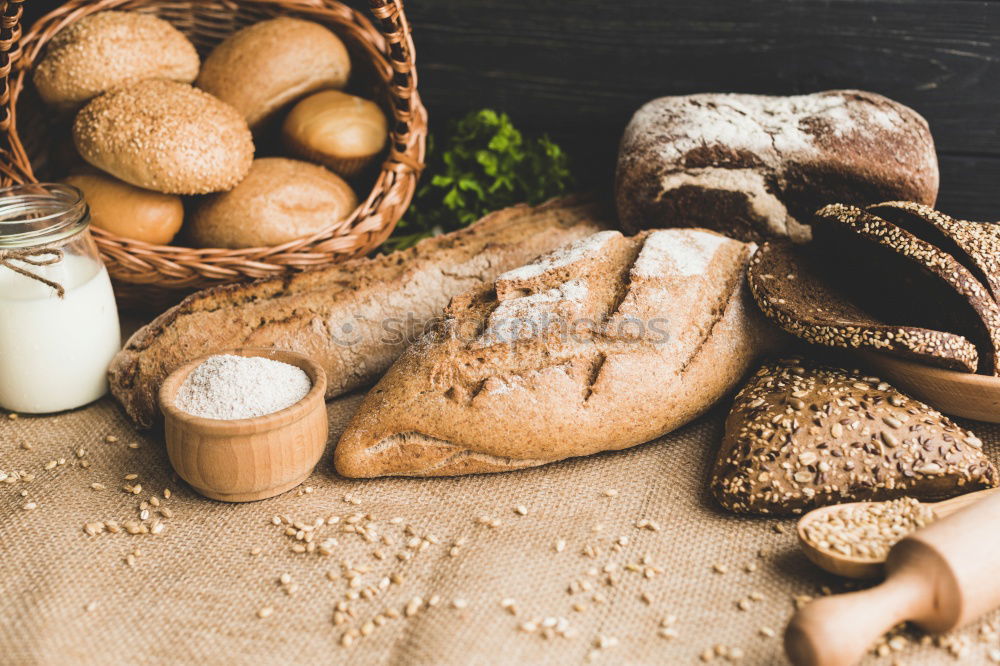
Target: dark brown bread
(865, 282)
(793, 287)
(802, 435)
(975, 244)
(756, 167)
(604, 344)
(929, 285)
(353, 318)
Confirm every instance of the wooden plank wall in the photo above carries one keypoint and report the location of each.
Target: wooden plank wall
(579, 68)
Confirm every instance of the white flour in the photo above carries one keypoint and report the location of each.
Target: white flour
(683, 252)
(229, 387)
(562, 257)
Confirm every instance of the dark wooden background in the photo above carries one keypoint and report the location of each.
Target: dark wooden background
(578, 68)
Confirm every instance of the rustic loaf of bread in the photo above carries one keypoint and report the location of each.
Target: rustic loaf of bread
(606, 343)
(353, 318)
(755, 166)
(802, 434)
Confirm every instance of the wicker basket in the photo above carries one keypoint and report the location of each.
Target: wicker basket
(155, 275)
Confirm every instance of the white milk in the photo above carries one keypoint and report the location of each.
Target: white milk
(54, 353)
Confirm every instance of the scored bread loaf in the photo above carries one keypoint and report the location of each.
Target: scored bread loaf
(353, 318)
(606, 343)
(757, 166)
(802, 434)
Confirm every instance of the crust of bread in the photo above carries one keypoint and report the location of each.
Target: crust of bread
(373, 306)
(756, 167)
(460, 401)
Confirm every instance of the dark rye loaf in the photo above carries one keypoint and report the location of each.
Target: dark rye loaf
(865, 282)
(793, 288)
(756, 167)
(802, 434)
(353, 318)
(976, 245)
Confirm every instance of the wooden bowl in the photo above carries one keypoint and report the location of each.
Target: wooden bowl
(247, 459)
(962, 394)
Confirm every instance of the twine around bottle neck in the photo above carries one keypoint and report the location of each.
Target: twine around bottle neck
(37, 257)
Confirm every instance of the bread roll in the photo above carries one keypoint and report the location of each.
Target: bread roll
(757, 166)
(603, 344)
(110, 49)
(265, 66)
(165, 136)
(129, 211)
(280, 200)
(340, 131)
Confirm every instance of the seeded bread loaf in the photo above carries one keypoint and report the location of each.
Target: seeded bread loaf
(353, 318)
(869, 283)
(976, 245)
(793, 288)
(802, 434)
(755, 166)
(606, 343)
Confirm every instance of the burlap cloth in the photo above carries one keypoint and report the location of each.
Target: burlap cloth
(194, 591)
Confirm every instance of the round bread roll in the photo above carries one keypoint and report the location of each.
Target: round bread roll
(165, 136)
(129, 211)
(269, 64)
(279, 200)
(110, 49)
(340, 131)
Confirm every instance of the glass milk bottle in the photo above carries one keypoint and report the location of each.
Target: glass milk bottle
(58, 321)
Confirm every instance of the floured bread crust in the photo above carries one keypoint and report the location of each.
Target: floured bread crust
(757, 166)
(352, 318)
(606, 343)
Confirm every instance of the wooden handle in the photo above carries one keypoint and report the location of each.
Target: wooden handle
(948, 507)
(838, 630)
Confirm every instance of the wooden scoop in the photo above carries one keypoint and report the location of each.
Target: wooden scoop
(956, 393)
(940, 577)
(859, 567)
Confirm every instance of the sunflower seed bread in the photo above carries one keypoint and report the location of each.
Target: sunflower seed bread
(866, 282)
(802, 434)
(606, 343)
(353, 318)
(756, 166)
(976, 245)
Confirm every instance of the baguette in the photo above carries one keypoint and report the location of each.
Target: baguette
(603, 344)
(353, 318)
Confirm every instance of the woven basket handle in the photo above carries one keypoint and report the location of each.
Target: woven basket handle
(402, 56)
(10, 51)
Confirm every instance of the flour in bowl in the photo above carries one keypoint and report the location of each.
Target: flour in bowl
(229, 387)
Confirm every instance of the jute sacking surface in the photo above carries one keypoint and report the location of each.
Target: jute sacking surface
(193, 592)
